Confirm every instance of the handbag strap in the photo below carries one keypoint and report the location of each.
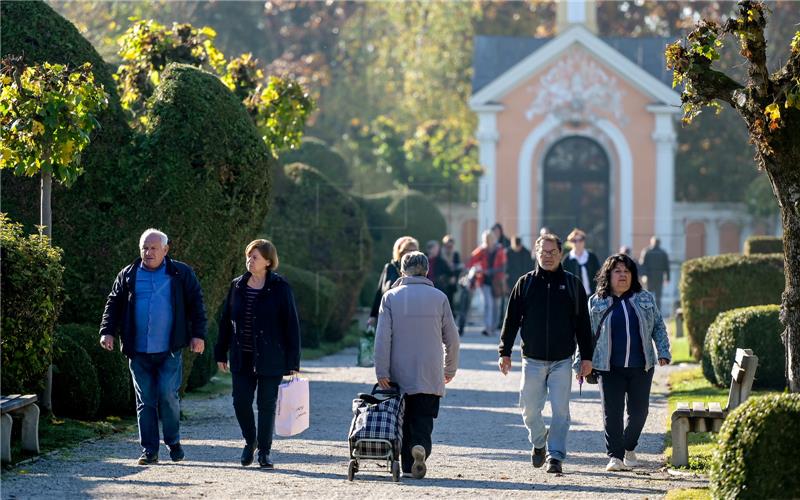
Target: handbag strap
(600, 325)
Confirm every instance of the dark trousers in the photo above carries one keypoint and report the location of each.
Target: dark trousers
(624, 389)
(245, 385)
(421, 409)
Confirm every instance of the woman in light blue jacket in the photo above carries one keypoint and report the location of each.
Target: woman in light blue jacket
(625, 355)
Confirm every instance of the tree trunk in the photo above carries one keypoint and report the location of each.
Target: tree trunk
(786, 180)
(46, 220)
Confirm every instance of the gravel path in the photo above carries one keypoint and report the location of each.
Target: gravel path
(480, 448)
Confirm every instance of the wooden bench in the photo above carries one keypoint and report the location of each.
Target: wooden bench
(26, 407)
(697, 417)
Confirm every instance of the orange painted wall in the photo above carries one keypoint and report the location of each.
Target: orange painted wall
(513, 127)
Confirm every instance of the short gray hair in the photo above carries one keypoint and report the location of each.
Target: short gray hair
(414, 264)
(150, 232)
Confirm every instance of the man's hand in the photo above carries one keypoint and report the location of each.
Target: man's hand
(504, 363)
(586, 368)
(197, 345)
(223, 366)
(447, 379)
(107, 342)
(663, 361)
(384, 383)
(372, 321)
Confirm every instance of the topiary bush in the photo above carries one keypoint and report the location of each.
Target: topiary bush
(758, 328)
(315, 296)
(115, 384)
(710, 285)
(321, 229)
(31, 300)
(757, 450)
(76, 389)
(763, 244)
(316, 153)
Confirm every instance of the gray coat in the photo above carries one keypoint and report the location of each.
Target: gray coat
(414, 323)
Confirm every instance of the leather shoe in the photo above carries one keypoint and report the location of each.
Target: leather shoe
(148, 458)
(554, 466)
(537, 456)
(248, 454)
(176, 452)
(264, 461)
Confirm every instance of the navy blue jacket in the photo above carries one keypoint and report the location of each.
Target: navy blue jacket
(276, 328)
(189, 312)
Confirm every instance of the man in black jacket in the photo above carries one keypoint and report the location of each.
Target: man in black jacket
(156, 304)
(550, 306)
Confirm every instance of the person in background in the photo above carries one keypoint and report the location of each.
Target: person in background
(655, 268)
(490, 260)
(624, 355)
(260, 329)
(501, 291)
(581, 262)
(553, 305)
(625, 249)
(438, 269)
(156, 306)
(453, 259)
(518, 261)
(391, 273)
(416, 347)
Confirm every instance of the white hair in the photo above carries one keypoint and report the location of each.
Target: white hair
(414, 264)
(150, 232)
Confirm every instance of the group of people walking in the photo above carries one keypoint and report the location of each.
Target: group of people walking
(600, 323)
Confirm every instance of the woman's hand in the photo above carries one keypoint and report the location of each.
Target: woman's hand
(663, 361)
(222, 366)
(384, 383)
(294, 373)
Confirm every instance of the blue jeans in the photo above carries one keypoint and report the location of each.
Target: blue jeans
(156, 381)
(540, 379)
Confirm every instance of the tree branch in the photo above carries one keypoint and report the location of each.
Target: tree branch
(749, 28)
(710, 84)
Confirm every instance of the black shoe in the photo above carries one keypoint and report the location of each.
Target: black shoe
(537, 456)
(264, 461)
(176, 452)
(554, 466)
(148, 458)
(248, 454)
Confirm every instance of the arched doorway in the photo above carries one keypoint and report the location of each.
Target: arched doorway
(576, 191)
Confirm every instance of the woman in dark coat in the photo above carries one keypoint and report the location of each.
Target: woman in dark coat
(391, 273)
(260, 329)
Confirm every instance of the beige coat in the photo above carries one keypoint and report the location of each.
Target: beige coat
(416, 342)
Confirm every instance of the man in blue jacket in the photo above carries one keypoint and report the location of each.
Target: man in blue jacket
(156, 304)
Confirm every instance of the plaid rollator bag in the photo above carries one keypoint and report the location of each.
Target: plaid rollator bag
(377, 416)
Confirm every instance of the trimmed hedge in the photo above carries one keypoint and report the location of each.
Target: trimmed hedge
(757, 453)
(758, 328)
(763, 244)
(318, 154)
(113, 374)
(319, 228)
(315, 296)
(76, 389)
(31, 300)
(710, 285)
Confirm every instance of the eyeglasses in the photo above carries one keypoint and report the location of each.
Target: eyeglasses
(577, 239)
(548, 253)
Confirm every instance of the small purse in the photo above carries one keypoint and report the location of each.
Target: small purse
(592, 377)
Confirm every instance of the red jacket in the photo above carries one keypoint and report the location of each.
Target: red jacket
(495, 271)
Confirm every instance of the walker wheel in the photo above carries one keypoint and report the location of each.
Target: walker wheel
(395, 471)
(352, 468)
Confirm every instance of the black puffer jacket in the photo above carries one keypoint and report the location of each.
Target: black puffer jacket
(189, 312)
(276, 328)
(553, 314)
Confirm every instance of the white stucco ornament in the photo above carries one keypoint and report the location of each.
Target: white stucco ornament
(577, 90)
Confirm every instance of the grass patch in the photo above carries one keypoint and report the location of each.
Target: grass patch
(59, 433)
(219, 385)
(326, 348)
(689, 494)
(679, 347)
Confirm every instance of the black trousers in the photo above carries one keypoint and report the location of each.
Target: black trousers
(421, 409)
(247, 384)
(624, 389)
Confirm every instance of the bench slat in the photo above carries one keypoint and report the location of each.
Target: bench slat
(715, 409)
(683, 407)
(15, 402)
(698, 407)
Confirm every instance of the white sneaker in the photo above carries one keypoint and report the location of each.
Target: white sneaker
(615, 465)
(630, 459)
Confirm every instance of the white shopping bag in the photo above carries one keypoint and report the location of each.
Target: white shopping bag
(292, 410)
